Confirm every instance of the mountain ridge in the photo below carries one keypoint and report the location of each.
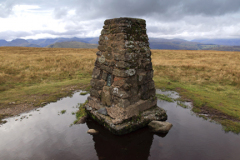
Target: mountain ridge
(154, 43)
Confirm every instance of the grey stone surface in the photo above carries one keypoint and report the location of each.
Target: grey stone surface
(102, 111)
(101, 59)
(159, 126)
(96, 73)
(120, 127)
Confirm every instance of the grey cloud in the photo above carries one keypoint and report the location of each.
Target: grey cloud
(8, 35)
(60, 12)
(92, 9)
(179, 18)
(5, 8)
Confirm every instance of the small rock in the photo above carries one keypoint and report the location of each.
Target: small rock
(103, 111)
(160, 126)
(82, 120)
(44, 103)
(88, 108)
(92, 131)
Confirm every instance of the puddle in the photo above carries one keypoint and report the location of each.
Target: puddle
(171, 94)
(46, 134)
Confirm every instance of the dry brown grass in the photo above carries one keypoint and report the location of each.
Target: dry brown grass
(199, 67)
(26, 66)
(211, 79)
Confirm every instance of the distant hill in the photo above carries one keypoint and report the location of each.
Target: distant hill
(72, 44)
(18, 42)
(48, 41)
(3, 42)
(225, 42)
(180, 44)
(175, 44)
(155, 43)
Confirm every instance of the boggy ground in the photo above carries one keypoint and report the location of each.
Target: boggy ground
(32, 77)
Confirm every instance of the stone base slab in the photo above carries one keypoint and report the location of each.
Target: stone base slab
(123, 127)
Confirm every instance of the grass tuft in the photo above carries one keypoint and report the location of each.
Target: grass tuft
(84, 93)
(63, 111)
(81, 112)
(164, 97)
(182, 104)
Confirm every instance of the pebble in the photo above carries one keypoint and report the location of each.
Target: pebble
(92, 131)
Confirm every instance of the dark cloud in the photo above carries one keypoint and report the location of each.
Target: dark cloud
(94, 9)
(209, 18)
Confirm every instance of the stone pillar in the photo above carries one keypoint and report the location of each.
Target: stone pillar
(122, 97)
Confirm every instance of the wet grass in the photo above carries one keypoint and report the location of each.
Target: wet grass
(182, 104)
(164, 97)
(81, 112)
(210, 79)
(205, 98)
(84, 93)
(63, 111)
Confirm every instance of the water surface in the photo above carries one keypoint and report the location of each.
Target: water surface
(46, 134)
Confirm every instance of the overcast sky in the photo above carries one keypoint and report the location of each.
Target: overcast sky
(186, 19)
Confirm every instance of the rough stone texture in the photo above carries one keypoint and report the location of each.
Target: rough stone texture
(102, 111)
(160, 127)
(122, 77)
(120, 127)
(106, 96)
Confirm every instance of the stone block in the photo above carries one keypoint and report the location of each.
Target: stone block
(105, 31)
(106, 96)
(103, 38)
(117, 112)
(151, 85)
(108, 55)
(119, 37)
(104, 75)
(99, 53)
(97, 84)
(94, 93)
(134, 99)
(131, 57)
(119, 92)
(102, 48)
(102, 42)
(119, 81)
(145, 93)
(122, 64)
(101, 59)
(102, 111)
(119, 73)
(119, 57)
(96, 73)
(124, 103)
(106, 68)
(130, 72)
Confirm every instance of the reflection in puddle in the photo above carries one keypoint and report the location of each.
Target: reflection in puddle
(46, 134)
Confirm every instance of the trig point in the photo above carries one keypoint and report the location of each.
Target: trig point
(122, 97)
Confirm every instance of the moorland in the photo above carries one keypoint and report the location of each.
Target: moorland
(33, 77)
